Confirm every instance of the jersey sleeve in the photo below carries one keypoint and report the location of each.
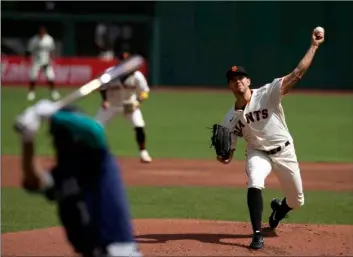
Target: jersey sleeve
(84, 128)
(229, 122)
(273, 91)
(31, 44)
(141, 82)
(52, 47)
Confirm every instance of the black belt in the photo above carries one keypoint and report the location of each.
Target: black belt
(278, 149)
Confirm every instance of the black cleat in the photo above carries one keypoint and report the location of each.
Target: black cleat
(275, 205)
(257, 241)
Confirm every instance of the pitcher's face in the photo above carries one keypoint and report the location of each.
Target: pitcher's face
(42, 32)
(239, 84)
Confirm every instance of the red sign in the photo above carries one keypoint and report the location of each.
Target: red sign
(71, 71)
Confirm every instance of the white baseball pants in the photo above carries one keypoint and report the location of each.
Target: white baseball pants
(48, 71)
(285, 166)
(105, 116)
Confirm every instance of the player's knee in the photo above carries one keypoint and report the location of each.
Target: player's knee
(256, 182)
(296, 202)
(138, 122)
(137, 119)
(50, 77)
(32, 78)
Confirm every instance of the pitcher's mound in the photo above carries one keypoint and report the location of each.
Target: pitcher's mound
(199, 238)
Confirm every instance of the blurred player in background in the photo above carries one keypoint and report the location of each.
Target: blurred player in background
(124, 96)
(41, 47)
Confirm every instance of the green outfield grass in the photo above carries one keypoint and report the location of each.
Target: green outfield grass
(321, 125)
(21, 211)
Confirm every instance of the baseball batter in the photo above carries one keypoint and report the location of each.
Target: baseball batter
(85, 183)
(41, 47)
(123, 96)
(258, 117)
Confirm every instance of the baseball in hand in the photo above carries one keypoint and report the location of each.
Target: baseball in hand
(319, 31)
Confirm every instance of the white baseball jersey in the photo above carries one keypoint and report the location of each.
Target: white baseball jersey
(262, 122)
(132, 86)
(41, 48)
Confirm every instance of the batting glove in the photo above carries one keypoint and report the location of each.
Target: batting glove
(27, 124)
(45, 108)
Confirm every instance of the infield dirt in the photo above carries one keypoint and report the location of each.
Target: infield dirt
(195, 237)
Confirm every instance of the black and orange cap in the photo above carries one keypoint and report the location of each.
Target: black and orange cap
(235, 71)
(123, 55)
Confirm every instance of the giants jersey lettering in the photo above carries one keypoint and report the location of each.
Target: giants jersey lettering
(262, 123)
(128, 89)
(41, 49)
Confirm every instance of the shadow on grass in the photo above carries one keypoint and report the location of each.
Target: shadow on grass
(201, 237)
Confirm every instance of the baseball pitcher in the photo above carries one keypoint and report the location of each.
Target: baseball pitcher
(85, 183)
(258, 117)
(41, 48)
(124, 96)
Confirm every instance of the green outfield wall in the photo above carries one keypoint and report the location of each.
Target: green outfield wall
(200, 40)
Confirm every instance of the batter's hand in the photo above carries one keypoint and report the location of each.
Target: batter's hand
(32, 183)
(37, 180)
(45, 108)
(27, 124)
(105, 105)
(318, 36)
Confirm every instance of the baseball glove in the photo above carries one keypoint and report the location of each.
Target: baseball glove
(222, 141)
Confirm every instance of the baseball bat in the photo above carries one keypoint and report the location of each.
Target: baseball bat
(126, 66)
